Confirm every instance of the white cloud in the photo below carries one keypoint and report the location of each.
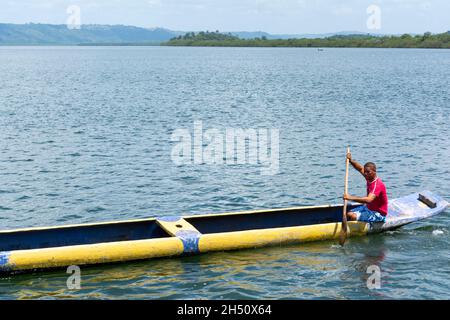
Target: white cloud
(343, 11)
(154, 3)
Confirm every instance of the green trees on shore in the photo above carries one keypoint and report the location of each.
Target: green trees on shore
(203, 36)
(216, 39)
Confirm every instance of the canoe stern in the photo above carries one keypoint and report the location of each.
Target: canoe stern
(410, 209)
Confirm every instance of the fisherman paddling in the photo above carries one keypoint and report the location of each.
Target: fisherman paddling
(375, 208)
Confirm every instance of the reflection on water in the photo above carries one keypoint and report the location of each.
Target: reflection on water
(308, 271)
(296, 271)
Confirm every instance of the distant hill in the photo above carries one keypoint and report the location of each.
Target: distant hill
(47, 34)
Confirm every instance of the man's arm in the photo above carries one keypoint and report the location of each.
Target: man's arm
(363, 200)
(355, 164)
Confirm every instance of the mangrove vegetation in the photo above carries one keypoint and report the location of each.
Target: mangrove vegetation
(217, 39)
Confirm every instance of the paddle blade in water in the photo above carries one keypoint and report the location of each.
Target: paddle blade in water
(343, 236)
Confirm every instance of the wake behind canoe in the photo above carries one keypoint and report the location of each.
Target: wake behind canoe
(88, 244)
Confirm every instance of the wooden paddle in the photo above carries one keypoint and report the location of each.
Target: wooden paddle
(343, 234)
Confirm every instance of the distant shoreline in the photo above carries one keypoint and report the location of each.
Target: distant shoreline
(215, 39)
(209, 46)
(107, 44)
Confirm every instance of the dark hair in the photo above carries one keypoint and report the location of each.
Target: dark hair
(371, 165)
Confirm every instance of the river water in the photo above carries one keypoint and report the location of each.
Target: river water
(86, 137)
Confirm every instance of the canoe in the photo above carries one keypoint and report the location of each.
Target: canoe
(30, 249)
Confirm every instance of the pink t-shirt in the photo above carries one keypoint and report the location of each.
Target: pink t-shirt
(380, 204)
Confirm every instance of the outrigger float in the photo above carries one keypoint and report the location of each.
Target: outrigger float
(89, 244)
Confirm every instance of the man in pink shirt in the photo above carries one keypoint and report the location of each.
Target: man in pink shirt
(375, 208)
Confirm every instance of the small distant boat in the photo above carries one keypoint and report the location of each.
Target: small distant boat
(319, 49)
(89, 244)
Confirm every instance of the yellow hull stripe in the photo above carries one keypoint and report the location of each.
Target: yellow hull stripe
(173, 246)
(94, 254)
(278, 236)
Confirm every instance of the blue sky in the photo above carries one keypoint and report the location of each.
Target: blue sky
(274, 16)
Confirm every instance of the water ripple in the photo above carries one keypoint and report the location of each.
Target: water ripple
(84, 143)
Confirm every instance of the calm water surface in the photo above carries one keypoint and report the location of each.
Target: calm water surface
(86, 137)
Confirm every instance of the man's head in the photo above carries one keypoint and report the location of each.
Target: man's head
(370, 171)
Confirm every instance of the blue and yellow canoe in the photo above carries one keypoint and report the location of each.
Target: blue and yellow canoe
(88, 244)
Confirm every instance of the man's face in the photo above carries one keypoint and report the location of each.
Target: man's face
(369, 173)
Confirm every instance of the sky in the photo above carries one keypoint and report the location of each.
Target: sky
(273, 16)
